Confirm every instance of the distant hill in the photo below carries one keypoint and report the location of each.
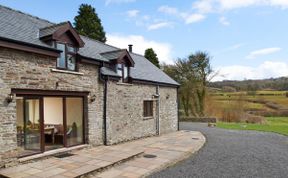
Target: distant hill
(252, 85)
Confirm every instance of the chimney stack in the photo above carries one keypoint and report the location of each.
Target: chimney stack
(130, 48)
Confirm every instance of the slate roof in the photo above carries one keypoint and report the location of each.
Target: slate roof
(111, 55)
(23, 27)
(46, 31)
(109, 72)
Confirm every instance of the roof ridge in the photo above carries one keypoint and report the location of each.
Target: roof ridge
(112, 51)
(27, 14)
(138, 54)
(99, 41)
(54, 25)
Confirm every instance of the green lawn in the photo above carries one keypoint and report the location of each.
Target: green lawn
(274, 124)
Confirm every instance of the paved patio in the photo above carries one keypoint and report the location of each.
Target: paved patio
(127, 158)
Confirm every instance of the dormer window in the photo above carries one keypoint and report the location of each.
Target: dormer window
(123, 71)
(65, 38)
(67, 59)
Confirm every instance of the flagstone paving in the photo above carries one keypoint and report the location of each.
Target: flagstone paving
(127, 158)
(168, 149)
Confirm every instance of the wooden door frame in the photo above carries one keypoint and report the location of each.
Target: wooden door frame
(41, 121)
(40, 94)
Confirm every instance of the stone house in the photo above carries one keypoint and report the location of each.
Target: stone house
(60, 90)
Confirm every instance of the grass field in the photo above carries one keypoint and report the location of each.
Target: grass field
(224, 99)
(273, 124)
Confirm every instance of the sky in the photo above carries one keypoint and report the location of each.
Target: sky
(246, 39)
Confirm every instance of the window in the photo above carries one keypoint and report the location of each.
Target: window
(67, 59)
(120, 69)
(148, 109)
(125, 74)
(123, 71)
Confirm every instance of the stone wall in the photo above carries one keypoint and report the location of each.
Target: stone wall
(168, 110)
(125, 111)
(125, 119)
(31, 71)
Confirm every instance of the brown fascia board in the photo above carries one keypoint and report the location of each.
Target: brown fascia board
(68, 27)
(126, 53)
(28, 47)
(20, 91)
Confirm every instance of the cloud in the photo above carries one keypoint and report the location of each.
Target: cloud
(281, 3)
(187, 17)
(159, 25)
(168, 10)
(208, 6)
(140, 44)
(236, 46)
(132, 13)
(267, 69)
(262, 52)
(228, 4)
(193, 18)
(203, 6)
(107, 2)
(224, 21)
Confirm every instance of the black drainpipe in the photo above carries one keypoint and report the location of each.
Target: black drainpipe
(178, 105)
(104, 111)
(158, 111)
(104, 79)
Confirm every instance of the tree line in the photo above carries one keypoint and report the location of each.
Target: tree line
(280, 84)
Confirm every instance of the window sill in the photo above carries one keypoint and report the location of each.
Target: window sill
(148, 118)
(127, 84)
(67, 72)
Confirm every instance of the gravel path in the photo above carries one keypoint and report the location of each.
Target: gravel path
(232, 153)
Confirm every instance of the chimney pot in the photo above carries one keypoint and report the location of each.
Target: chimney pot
(130, 48)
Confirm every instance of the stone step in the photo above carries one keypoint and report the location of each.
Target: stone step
(108, 166)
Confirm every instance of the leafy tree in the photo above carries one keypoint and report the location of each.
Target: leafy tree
(192, 73)
(152, 57)
(202, 69)
(87, 23)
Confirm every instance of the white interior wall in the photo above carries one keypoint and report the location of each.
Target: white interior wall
(53, 110)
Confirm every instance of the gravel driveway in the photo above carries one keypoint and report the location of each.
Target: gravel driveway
(232, 153)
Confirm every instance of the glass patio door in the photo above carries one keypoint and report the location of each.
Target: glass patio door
(48, 122)
(29, 127)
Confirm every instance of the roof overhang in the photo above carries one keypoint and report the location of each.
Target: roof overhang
(119, 56)
(60, 30)
(28, 47)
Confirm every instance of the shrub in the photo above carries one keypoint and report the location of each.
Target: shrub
(253, 119)
(231, 115)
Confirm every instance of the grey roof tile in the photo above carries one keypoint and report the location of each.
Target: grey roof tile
(109, 72)
(23, 27)
(111, 55)
(46, 31)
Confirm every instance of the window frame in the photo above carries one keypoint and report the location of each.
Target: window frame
(148, 108)
(124, 80)
(67, 52)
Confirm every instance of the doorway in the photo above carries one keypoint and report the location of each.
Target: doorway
(49, 122)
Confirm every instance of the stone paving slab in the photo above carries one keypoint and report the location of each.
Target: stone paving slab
(96, 162)
(169, 149)
(82, 162)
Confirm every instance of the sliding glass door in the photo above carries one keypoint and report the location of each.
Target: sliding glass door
(74, 119)
(53, 122)
(28, 126)
(49, 122)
